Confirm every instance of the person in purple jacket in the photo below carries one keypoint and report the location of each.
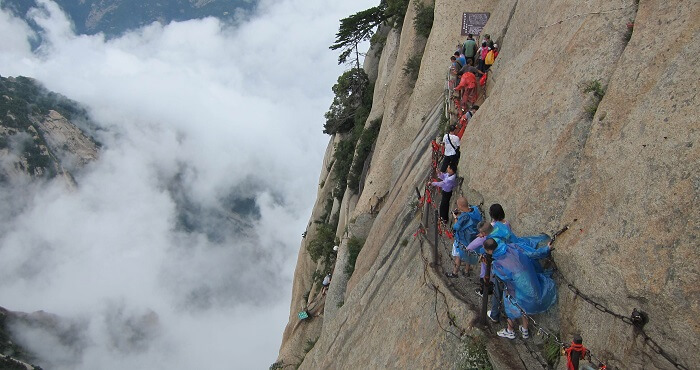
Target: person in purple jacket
(449, 181)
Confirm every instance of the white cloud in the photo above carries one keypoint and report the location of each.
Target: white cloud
(193, 113)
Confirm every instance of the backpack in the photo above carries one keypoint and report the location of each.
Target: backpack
(490, 57)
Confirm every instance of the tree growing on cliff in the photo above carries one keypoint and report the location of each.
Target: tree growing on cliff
(362, 25)
(352, 89)
(355, 29)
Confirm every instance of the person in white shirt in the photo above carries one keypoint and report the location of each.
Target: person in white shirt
(325, 284)
(451, 141)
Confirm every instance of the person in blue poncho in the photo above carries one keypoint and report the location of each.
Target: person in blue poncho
(466, 219)
(527, 289)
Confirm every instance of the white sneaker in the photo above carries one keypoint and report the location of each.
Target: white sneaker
(525, 333)
(505, 333)
(488, 313)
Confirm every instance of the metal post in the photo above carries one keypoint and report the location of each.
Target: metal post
(485, 289)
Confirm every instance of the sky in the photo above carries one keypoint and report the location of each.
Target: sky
(190, 115)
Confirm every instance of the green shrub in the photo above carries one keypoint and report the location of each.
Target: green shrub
(412, 68)
(364, 147)
(350, 93)
(354, 247)
(321, 246)
(551, 352)
(404, 242)
(596, 88)
(395, 11)
(473, 355)
(378, 41)
(423, 20)
(310, 343)
(344, 153)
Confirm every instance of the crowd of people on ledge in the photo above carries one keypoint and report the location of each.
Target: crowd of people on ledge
(518, 283)
(468, 63)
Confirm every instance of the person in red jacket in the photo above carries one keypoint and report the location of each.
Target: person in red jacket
(470, 93)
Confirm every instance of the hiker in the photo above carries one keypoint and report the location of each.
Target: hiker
(526, 244)
(455, 67)
(476, 245)
(471, 112)
(451, 142)
(466, 218)
(490, 58)
(468, 84)
(527, 290)
(483, 50)
(470, 48)
(325, 284)
(460, 58)
(449, 181)
(575, 352)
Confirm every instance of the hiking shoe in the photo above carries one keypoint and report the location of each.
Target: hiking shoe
(488, 313)
(450, 275)
(479, 292)
(505, 333)
(525, 333)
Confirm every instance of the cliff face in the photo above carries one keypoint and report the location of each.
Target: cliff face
(39, 135)
(623, 173)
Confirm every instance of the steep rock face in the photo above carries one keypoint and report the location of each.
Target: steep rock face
(626, 171)
(37, 140)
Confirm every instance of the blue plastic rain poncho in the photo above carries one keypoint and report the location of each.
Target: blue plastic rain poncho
(465, 232)
(465, 227)
(534, 292)
(526, 244)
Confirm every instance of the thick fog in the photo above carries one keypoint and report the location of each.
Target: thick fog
(177, 248)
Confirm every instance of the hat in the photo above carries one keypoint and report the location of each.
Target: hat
(335, 248)
(495, 45)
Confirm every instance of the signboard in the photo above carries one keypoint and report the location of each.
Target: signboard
(474, 23)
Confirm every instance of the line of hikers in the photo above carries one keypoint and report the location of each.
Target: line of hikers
(467, 63)
(516, 269)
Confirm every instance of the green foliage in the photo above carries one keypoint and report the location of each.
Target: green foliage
(362, 26)
(344, 153)
(404, 242)
(551, 352)
(310, 343)
(22, 102)
(378, 41)
(355, 29)
(364, 147)
(277, 365)
(395, 12)
(321, 246)
(340, 304)
(354, 247)
(597, 90)
(473, 355)
(351, 92)
(412, 68)
(443, 125)
(423, 20)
